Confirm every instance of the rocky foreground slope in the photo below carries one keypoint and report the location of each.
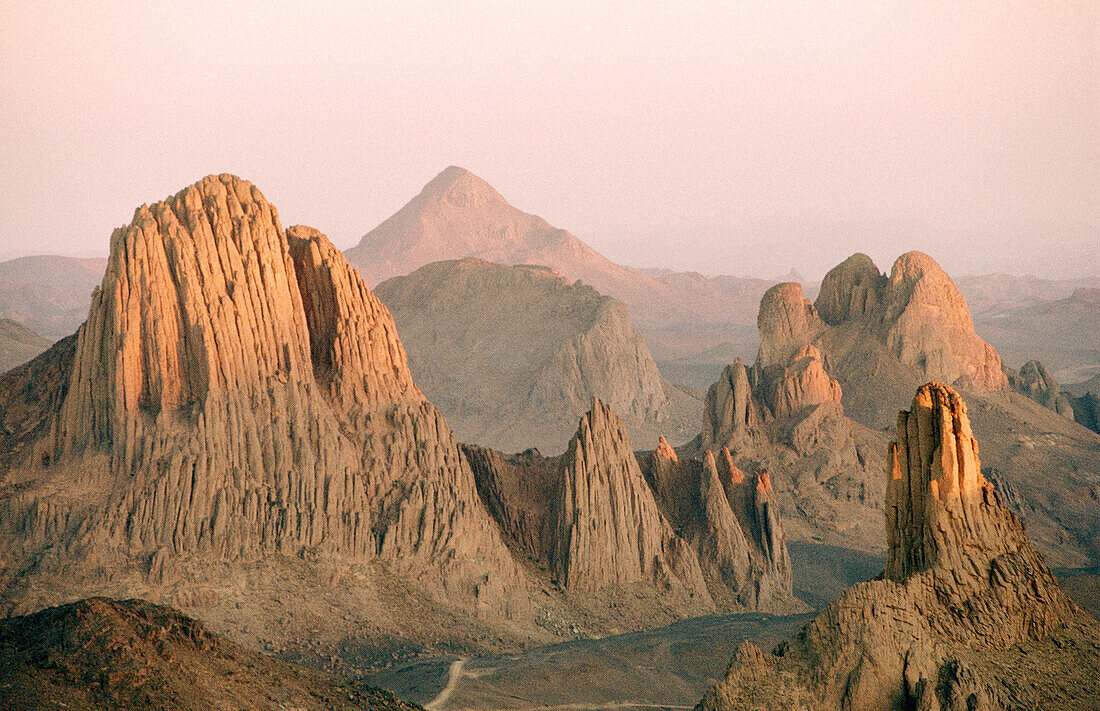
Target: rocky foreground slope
(513, 355)
(109, 654)
(966, 615)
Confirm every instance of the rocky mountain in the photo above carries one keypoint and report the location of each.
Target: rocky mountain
(18, 344)
(812, 409)
(966, 615)
(1037, 383)
(107, 654)
(49, 294)
(233, 426)
(459, 215)
(881, 335)
(513, 355)
(592, 522)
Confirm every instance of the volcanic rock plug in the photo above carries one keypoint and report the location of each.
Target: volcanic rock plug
(966, 614)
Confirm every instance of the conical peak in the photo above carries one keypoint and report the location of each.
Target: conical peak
(460, 187)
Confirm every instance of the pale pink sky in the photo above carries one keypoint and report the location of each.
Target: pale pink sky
(707, 127)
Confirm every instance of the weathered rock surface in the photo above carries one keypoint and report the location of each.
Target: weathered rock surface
(786, 417)
(966, 615)
(928, 325)
(732, 522)
(237, 393)
(18, 344)
(686, 529)
(730, 416)
(513, 355)
(787, 321)
(608, 527)
(109, 654)
(879, 338)
(802, 383)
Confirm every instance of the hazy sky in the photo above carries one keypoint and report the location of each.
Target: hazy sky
(689, 134)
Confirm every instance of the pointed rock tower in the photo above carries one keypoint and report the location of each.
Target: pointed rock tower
(966, 615)
(589, 517)
(238, 392)
(608, 528)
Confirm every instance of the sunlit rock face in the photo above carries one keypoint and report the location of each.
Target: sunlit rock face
(966, 615)
(238, 392)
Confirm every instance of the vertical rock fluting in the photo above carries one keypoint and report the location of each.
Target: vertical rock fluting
(730, 417)
(802, 383)
(732, 523)
(943, 516)
(609, 529)
(238, 391)
(966, 615)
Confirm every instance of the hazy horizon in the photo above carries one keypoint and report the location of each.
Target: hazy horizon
(746, 140)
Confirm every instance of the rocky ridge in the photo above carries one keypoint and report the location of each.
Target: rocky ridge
(879, 336)
(784, 415)
(966, 614)
(458, 215)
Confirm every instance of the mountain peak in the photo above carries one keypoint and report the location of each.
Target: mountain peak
(460, 186)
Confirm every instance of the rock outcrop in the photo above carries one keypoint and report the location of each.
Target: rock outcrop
(130, 654)
(1036, 382)
(852, 290)
(928, 325)
(730, 415)
(238, 393)
(787, 321)
(608, 528)
(802, 383)
(784, 414)
(692, 530)
(512, 355)
(732, 522)
(966, 614)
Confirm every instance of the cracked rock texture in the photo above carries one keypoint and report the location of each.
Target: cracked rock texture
(966, 615)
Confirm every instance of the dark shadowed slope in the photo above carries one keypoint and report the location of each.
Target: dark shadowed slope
(134, 655)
